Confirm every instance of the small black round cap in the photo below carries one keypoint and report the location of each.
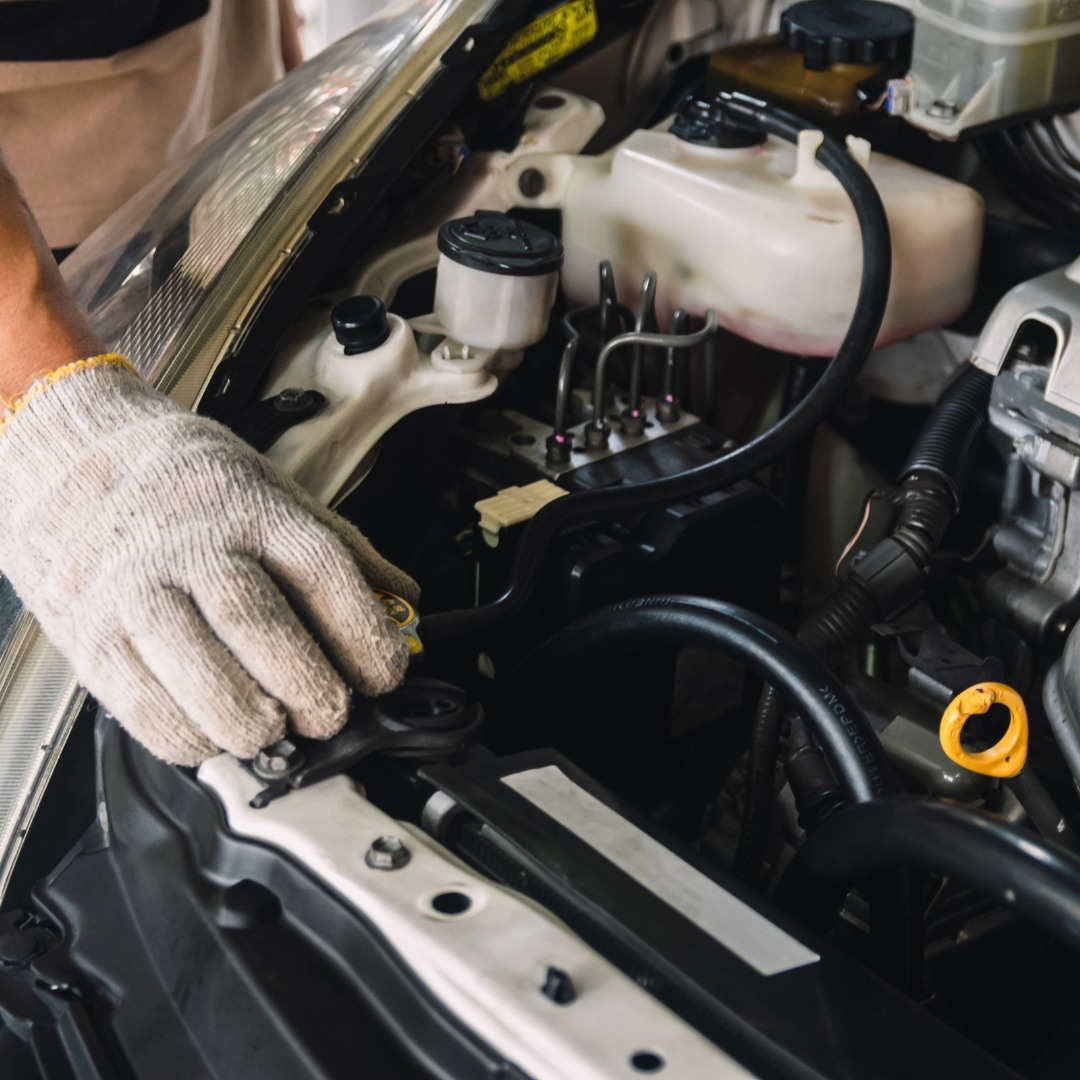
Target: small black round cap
(847, 32)
(499, 244)
(360, 323)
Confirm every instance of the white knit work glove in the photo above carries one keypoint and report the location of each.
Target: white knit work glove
(203, 598)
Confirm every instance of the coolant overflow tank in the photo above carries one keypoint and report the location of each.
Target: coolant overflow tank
(766, 236)
(496, 282)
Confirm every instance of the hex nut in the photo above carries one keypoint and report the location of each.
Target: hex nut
(943, 110)
(558, 449)
(279, 759)
(387, 853)
(292, 399)
(632, 422)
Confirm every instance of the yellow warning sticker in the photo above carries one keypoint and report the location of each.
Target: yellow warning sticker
(544, 42)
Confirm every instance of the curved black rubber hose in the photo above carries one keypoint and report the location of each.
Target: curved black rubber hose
(769, 716)
(1040, 881)
(760, 792)
(766, 649)
(934, 474)
(1043, 813)
(790, 479)
(947, 444)
(463, 629)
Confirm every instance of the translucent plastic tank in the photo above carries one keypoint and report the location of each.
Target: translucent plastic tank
(771, 70)
(765, 236)
(977, 61)
(830, 56)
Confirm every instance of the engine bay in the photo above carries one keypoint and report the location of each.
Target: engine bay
(709, 267)
(732, 441)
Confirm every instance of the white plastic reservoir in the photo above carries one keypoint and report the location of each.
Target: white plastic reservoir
(765, 236)
(976, 61)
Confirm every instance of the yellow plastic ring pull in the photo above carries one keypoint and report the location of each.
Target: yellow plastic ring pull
(1005, 758)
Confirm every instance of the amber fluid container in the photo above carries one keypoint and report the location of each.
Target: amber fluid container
(831, 57)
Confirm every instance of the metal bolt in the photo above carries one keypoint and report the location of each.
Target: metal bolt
(277, 760)
(632, 422)
(559, 448)
(292, 400)
(668, 410)
(943, 110)
(531, 183)
(596, 436)
(387, 853)
(558, 986)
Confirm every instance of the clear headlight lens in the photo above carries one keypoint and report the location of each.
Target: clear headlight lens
(39, 700)
(173, 278)
(176, 271)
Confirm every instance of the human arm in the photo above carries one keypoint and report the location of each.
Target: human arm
(207, 601)
(41, 327)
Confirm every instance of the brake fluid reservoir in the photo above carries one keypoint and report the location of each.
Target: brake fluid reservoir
(766, 236)
(497, 278)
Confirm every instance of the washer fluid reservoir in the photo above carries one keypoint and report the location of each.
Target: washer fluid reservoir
(766, 236)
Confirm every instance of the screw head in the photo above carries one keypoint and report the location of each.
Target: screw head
(293, 399)
(387, 853)
(943, 110)
(559, 986)
(278, 759)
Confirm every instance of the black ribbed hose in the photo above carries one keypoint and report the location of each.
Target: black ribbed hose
(767, 650)
(463, 630)
(949, 439)
(931, 482)
(1040, 881)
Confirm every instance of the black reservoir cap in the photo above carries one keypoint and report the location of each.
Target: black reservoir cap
(360, 324)
(499, 244)
(847, 32)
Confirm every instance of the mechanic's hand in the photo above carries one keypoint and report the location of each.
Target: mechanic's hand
(202, 597)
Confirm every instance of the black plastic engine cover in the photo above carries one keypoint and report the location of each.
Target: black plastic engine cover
(178, 951)
(825, 1018)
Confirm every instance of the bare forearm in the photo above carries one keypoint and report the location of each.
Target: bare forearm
(40, 326)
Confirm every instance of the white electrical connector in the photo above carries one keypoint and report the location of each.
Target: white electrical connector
(900, 96)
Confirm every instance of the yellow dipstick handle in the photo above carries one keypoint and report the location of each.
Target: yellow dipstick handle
(1008, 756)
